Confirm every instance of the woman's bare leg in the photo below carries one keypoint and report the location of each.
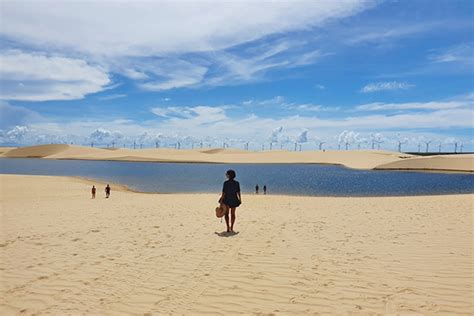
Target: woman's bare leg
(232, 213)
(226, 216)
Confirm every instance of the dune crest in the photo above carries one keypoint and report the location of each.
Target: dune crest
(39, 151)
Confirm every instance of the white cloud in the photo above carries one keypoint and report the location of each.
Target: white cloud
(347, 137)
(302, 137)
(386, 86)
(276, 135)
(112, 96)
(463, 53)
(39, 77)
(162, 27)
(101, 135)
(172, 73)
(219, 123)
(379, 106)
(282, 103)
(134, 74)
(189, 117)
(172, 111)
(388, 31)
(11, 115)
(17, 134)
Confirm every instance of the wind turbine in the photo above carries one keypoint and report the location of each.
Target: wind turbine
(321, 145)
(428, 142)
(400, 143)
(378, 143)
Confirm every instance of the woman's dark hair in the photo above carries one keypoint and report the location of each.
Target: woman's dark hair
(230, 174)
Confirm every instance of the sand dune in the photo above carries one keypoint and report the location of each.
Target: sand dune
(352, 159)
(62, 253)
(444, 162)
(40, 151)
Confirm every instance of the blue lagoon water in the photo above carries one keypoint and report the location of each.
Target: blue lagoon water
(294, 179)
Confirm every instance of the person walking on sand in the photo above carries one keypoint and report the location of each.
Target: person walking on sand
(264, 189)
(107, 191)
(256, 189)
(230, 198)
(93, 191)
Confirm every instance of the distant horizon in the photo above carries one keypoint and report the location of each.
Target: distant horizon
(346, 73)
(266, 148)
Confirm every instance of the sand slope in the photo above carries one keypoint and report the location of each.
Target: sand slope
(63, 253)
(443, 162)
(40, 151)
(351, 159)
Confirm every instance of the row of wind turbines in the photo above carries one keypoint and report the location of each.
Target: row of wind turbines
(375, 144)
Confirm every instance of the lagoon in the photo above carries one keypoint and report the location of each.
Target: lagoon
(291, 179)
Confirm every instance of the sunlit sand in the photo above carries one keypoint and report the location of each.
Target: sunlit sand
(65, 253)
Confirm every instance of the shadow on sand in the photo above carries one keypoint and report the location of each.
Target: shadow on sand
(226, 234)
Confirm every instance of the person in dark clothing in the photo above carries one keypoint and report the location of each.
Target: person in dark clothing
(256, 189)
(93, 191)
(230, 198)
(265, 189)
(107, 191)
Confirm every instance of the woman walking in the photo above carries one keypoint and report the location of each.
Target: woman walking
(230, 198)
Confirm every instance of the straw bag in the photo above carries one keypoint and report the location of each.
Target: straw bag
(220, 211)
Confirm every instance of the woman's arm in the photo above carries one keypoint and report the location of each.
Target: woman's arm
(222, 197)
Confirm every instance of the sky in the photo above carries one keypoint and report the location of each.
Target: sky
(355, 74)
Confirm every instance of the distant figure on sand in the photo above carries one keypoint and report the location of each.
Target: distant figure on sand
(107, 191)
(230, 198)
(256, 189)
(265, 189)
(93, 191)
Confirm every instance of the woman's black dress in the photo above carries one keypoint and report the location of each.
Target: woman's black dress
(230, 189)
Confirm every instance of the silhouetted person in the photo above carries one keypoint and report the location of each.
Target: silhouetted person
(93, 191)
(256, 189)
(265, 189)
(230, 198)
(107, 191)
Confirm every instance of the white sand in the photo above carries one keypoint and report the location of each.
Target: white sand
(352, 158)
(62, 253)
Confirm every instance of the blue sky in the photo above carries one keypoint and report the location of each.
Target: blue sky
(349, 73)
